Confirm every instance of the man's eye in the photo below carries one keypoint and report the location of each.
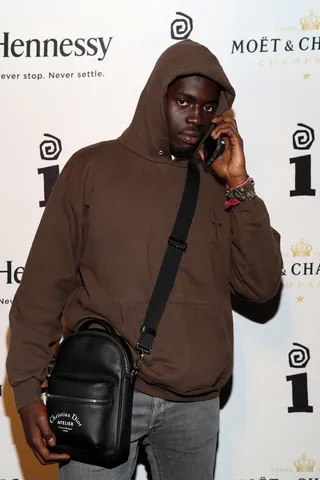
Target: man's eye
(182, 103)
(208, 108)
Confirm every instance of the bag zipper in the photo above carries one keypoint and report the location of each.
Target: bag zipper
(78, 399)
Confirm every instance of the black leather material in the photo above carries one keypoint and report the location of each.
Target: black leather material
(89, 396)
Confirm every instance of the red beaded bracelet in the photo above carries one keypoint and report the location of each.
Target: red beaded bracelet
(231, 202)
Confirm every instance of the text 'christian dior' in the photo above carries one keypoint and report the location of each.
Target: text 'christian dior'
(74, 419)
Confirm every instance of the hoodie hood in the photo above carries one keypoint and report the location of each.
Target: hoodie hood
(147, 134)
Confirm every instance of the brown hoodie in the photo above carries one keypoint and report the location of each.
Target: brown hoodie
(101, 241)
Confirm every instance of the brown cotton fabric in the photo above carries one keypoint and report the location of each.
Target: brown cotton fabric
(100, 244)
(147, 134)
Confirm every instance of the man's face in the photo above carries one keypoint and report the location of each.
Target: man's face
(190, 106)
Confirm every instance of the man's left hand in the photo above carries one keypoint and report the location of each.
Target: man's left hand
(231, 164)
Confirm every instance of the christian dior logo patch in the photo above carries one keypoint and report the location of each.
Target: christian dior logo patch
(65, 421)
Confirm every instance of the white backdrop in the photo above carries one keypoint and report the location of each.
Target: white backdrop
(271, 52)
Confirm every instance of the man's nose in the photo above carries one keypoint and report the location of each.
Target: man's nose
(195, 116)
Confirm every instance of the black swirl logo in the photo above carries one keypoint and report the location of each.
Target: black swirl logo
(299, 357)
(303, 138)
(181, 28)
(50, 148)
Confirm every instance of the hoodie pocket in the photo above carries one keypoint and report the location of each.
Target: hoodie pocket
(192, 348)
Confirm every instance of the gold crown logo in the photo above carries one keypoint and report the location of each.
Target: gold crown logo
(301, 249)
(304, 464)
(310, 22)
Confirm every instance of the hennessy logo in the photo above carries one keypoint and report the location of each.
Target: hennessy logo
(12, 274)
(52, 47)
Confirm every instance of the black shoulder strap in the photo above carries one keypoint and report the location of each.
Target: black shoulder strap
(177, 245)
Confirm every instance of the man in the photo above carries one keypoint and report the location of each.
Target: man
(98, 250)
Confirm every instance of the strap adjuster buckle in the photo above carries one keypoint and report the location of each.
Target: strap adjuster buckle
(142, 350)
(179, 244)
(136, 366)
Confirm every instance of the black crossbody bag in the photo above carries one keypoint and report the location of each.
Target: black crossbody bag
(91, 382)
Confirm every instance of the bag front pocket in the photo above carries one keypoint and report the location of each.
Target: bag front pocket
(82, 423)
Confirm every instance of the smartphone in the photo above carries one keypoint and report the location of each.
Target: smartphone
(212, 147)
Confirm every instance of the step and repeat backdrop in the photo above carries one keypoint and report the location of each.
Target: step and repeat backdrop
(70, 75)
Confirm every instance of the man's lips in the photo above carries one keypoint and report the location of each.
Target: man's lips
(191, 136)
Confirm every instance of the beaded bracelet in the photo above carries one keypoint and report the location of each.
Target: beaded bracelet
(244, 191)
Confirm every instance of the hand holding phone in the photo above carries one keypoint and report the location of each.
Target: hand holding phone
(224, 153)
(212, 148)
